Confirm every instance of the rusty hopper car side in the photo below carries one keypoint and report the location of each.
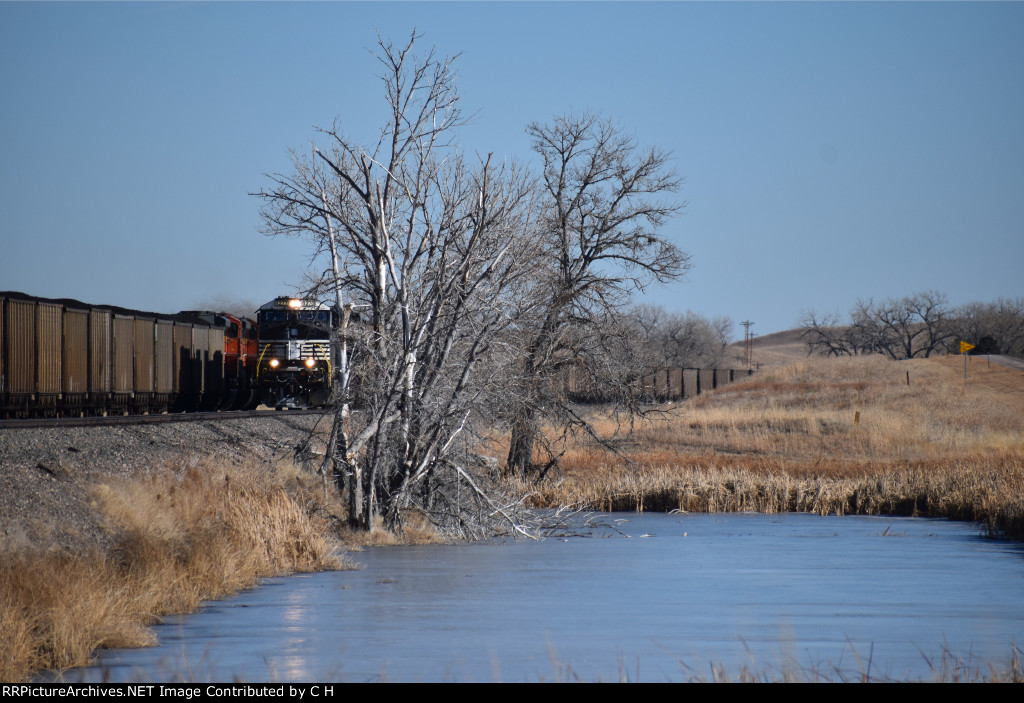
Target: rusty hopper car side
(49, 334)
(19, 318)
(188, 387)
(145, 355)
(164, 360)
(123, 344)
(100, 324)
(75, 383)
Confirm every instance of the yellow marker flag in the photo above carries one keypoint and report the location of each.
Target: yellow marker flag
(965, 347)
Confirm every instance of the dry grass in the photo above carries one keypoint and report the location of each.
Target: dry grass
(415, 530)
(821, 435)
(183, 536)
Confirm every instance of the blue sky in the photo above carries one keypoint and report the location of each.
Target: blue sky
(831, 150)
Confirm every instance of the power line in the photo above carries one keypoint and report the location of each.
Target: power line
(748, 347)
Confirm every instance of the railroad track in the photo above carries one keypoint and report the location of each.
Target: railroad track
(109, 420)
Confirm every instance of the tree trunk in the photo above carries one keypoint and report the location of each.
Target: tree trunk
(354, 489)
(520, 450)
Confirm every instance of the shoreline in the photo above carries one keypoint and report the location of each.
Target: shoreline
(141, 522)
(899, 492)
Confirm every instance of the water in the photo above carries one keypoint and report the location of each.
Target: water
(776, 593)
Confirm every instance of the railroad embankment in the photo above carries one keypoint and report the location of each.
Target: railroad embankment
(104, 530)
(849, 436)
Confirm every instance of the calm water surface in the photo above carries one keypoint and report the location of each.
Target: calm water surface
(681, 592)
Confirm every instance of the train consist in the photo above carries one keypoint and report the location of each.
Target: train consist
(65, 357)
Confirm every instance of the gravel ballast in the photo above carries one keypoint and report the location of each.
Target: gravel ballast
(47, 474)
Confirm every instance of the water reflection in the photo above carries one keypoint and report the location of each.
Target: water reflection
(781, 592)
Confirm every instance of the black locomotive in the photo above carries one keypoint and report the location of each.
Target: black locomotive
(294, 365)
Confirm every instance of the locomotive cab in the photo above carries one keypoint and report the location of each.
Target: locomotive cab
(294, 366)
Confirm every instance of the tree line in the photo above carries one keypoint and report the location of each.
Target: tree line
(681, 340)
(917, 325)
(476, 281)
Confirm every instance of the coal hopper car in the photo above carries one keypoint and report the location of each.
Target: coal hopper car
(61, 357)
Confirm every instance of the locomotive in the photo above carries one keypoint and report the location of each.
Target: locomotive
(65, 357)
(294, 365)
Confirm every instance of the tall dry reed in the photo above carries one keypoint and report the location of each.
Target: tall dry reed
(181, 537)
(844, 436)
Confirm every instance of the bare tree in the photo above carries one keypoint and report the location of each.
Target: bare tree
(972, 323)
(824, 335)
(682, 339)
(930, 309)
(995, 327)
(435, 254)
(604, 202)
(909, 327)
(917, 325)
(1008, 325)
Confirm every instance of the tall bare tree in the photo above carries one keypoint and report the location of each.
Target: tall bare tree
(435, 254)
(605, 200)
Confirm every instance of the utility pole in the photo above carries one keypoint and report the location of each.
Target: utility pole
(747, 342)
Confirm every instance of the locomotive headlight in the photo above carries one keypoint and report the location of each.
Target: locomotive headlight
(274, 363)
(310, 362)
(295, 303)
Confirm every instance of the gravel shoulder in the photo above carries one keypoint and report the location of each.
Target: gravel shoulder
(47, 474)
(1007, 361)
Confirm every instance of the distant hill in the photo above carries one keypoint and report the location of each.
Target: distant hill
(772, 349)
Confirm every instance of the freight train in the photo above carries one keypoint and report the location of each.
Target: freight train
(64, 357)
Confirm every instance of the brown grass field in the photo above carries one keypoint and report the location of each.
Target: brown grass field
(831, 436)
